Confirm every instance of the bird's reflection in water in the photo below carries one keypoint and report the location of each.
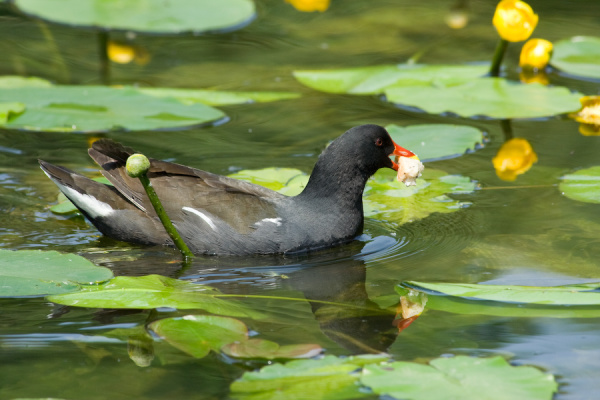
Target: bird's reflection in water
(333, 281)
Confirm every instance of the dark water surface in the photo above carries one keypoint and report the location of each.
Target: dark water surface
(522, 232)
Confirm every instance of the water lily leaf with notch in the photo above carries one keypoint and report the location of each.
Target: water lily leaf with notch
(459, 377)
(97, 108)
(260, 348)
(581, 294)
(156, 16)
(375, 79)
(328, 378)
(437, 141)
(155, 291)
(582, 185)
(197, 335)
(579, 55)
(218, 97)
(36, 273)
(491, 97)
(386, 199)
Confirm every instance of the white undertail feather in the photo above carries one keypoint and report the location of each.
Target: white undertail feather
(204, 217)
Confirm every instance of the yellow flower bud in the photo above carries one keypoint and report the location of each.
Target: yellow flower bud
(120, 53)
(310, 5)
(535, 54)
(515, 157)
(514, 20)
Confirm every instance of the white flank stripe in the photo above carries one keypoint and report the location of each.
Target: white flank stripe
(201, 215)
(94, 207)
(276, 221)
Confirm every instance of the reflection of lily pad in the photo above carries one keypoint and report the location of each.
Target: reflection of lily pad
(197, 335)
(438, 89)
(260, 348)
(154, 291)
(581, 294)
(578, 55)
(156, 16)
(491, 97)
(459, 377)
(582, 185)
(35, 272)
(436, 141)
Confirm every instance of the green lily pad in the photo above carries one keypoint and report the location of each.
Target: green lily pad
(461, 378)
(582, 185)
(490, 97)
(10, 109)
(571, 295)
(156, 16)
(155, 291)
(437, 141)
(13, 81)
(97, 108)
(328, 378)
(289, 181)
(387, 199)
(36, 273)
(374, 80)
(260, 348)
(579, 55)
(436, 89)
(218, 97)
(197, 335)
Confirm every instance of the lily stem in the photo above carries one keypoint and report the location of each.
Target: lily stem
(164, 218)
(498, 56)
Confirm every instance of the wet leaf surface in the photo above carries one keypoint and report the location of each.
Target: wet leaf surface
(579, 56)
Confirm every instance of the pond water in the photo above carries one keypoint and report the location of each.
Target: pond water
(523, 232)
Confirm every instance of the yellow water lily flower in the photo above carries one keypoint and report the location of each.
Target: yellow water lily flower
(515, 157)
(590, 111)
(310, 5)
(514, 20)
(123, 53)
(535, 54)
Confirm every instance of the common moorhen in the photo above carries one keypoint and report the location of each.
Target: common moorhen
(215, 214)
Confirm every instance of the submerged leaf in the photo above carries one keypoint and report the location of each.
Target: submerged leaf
(260, 348)
(579, 55)
(156, 16)
(154, 291)
(581, 294)
(582, 185)
(197, 335)
(457, 378)
(36, 272)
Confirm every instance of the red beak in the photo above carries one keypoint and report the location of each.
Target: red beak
(401, 152)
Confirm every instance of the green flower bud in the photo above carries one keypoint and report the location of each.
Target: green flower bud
(137, 165)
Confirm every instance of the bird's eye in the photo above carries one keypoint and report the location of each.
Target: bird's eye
(379, 142)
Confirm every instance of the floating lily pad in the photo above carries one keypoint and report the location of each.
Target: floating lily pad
(218, 97)
(154, 291)
(13, 81)
(36, 273)
(289, 181)
(459, 377)
(373, 80)
(156, 16)
(328, 378)
(581, 294)
(437, 141)
(490, 97)
(582, 185)
(458, 89)
(8, 110)
(97, 108)
(260, 348)
(387, 199)
(578, 55)
(197, 335)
